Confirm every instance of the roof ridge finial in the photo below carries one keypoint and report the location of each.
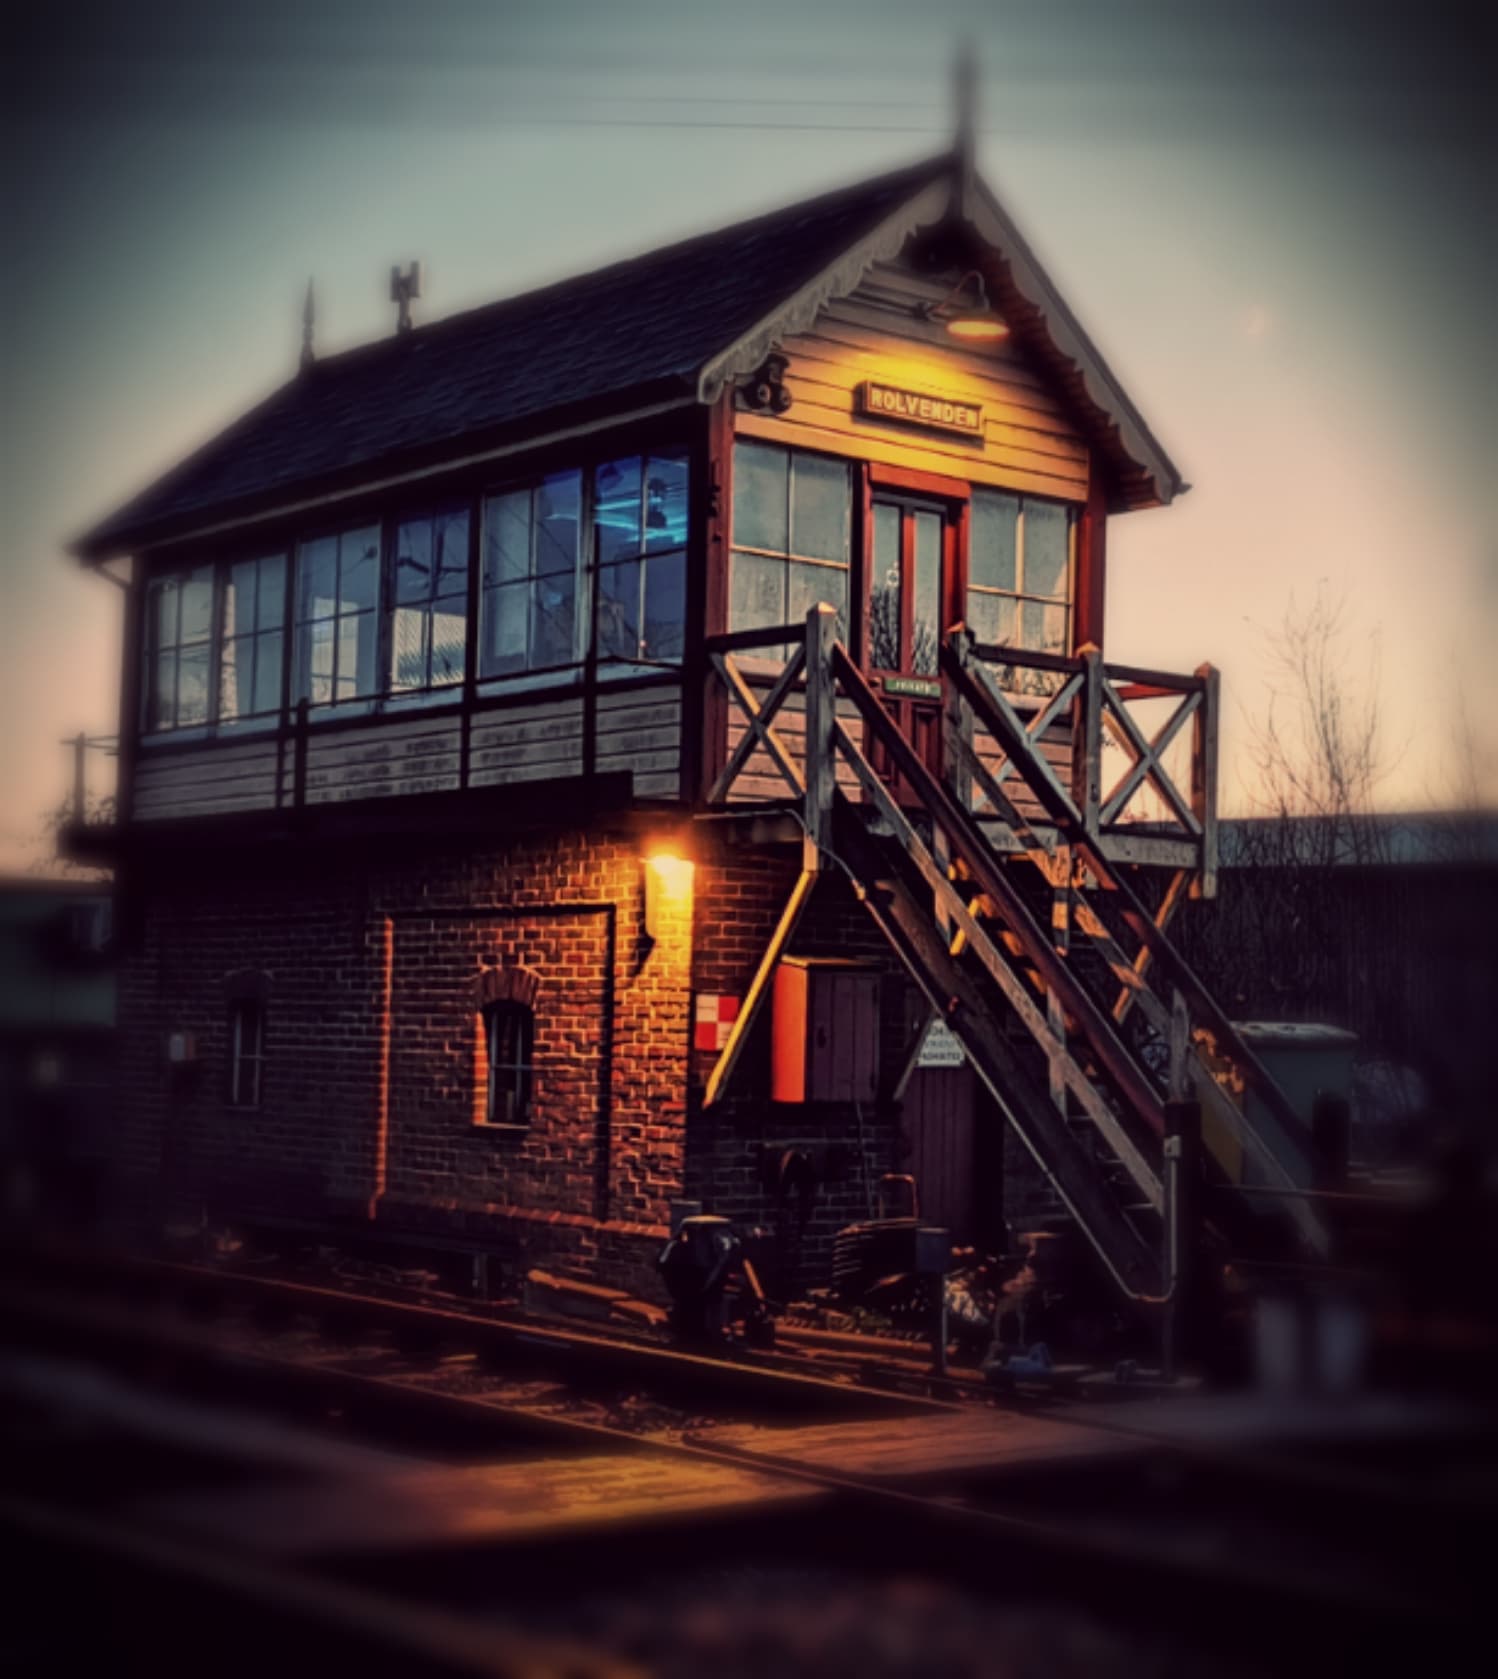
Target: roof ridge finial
(309, 319)
(965, 138)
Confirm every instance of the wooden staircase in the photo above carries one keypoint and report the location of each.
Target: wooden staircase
(1081, 1039)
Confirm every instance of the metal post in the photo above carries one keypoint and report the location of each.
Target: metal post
(1183, 1122)
(80, 789)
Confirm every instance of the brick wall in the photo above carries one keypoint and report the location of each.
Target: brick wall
(374, 1073)
(734, 1147)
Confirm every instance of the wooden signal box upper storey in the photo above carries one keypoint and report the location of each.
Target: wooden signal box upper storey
(488, 568)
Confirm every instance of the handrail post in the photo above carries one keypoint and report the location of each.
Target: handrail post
(1204, 775)
(821, 714)
(1087, 754)
(957, 723)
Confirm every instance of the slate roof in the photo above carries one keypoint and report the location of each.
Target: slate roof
(657, 327)
(650, 322)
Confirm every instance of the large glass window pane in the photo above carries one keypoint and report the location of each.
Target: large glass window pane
(161, 707)
(241, 589)
(558, 512)
(991, 558)
(1042, 627)
(926, 604)
(991, 618)
(448, 646)
(808, 585)
(1045, 548)
(616, 510)
(666, 503)
(192, 686)
(506, 611)
(268, 672)
(553, 619)
(236, 672)
(760, 497)
(451, 541)
(358, 569)
(197, 606)
(408, 662)
(619, 611)
(820, 505)
(665, 606)
(413, 562)
(757, 597)
(272, 604)
(164, 615)
(317, 566)
(507, 538)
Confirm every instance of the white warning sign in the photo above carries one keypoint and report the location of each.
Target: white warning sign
(940, 1048)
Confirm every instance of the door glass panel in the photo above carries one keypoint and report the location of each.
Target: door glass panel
(926, 593)
(884, 593)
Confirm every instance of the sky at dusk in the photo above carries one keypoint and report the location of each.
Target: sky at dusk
(1275, 220)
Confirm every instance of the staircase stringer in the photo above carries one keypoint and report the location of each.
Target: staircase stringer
(1117, 904)
(910, 931)
(977, 938)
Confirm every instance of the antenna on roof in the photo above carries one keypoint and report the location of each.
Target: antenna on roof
(403, 287)
(309, 317)
(965, 139)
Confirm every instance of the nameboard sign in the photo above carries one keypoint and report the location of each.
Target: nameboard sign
(940, 1047)
(912, 687)
(919, 408)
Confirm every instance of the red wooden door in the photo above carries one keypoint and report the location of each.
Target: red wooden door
(939, 1126)
(911, 559)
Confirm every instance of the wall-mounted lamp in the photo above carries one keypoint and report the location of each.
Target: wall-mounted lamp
(967, 313)
(668, 886)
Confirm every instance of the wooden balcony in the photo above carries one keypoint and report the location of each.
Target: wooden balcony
(1032, 744)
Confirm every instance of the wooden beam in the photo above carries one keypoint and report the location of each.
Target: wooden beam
(759, 719)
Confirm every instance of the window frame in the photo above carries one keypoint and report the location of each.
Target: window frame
(493, 1014)
(251, 720)
(534, 675)
(301, 680)
(470, 492)
(152, 650)
(791, 557)
(246, 1008)
(389, 603)
(1019, 594)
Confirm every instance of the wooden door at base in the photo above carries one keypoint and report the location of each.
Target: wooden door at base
(939, 1127)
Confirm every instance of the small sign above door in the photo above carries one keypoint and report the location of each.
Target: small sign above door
(940, 1047)
(919, 408)
(913, 687)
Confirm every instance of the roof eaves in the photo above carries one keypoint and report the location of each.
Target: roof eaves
(991, 222)
(926, 206)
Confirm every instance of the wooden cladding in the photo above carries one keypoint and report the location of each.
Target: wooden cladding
(879, 339)
(548, 736)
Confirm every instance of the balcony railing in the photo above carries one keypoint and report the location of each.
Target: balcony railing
(1029, 739)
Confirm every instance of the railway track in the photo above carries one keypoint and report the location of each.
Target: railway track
(756, 1461)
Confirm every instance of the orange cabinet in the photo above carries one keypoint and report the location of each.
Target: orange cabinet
(826, 1031)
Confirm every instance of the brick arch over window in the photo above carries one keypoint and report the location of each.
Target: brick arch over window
(247, 985)
(506, 985)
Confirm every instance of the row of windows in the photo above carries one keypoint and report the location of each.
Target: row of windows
(508, 1032)
(578, 564)
(792, 539)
